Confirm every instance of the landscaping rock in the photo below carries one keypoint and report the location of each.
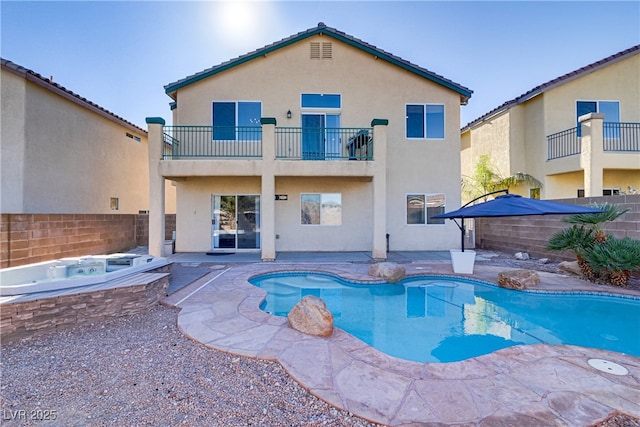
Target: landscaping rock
(543, 260)
(311, 316)
(570, 267)
(518, 279)
(522, 256)
(389, 271)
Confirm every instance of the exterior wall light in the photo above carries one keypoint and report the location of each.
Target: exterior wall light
(289, 114)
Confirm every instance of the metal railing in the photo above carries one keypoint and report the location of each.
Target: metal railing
(324, 143)
(212, 141)
(563, 144)
(616, 137)
(621, 136)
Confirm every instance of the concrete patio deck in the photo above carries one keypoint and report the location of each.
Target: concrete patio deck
(539, 385)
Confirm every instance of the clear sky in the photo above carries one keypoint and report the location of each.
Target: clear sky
(120, 54)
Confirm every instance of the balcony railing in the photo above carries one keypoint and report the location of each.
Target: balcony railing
(616, 137)
(213, 141)
(621, 136)
(563, 144)
(324, 143)
(229, 142)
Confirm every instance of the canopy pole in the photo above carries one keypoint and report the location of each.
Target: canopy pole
(462, 227)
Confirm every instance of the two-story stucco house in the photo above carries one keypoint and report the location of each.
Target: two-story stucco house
(63, 154)
(318, 142)
(578, 134)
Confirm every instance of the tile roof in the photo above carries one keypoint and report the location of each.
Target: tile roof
(464, 92)
(49, 84)
(555, 82)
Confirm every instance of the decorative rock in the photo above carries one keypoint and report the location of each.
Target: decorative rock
(570, 267)
(389, 271)
(522, 256)
(543, 260)
(311, 316)
(518, 279)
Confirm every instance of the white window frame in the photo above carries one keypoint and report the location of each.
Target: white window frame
(424, 122)
(237, 112)
(426, 217)
(330, 109)
(321, 224)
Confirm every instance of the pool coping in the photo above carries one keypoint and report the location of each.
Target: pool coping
(523, 385)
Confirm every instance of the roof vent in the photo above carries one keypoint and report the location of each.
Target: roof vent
(325, 53)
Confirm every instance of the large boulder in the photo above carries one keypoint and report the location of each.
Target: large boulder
(389, 271)
(311, 316)
(518, 279)
(570, 267)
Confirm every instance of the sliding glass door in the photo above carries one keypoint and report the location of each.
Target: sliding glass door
(235, 222)
(321, 136)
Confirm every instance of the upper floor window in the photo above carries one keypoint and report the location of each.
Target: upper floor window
(610, 109)
(236, 120)
(425, 121)
(321, 100)
(422, 207)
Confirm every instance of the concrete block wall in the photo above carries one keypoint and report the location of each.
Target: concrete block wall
(531, 233)
(18, 320)
(31, 238)
(142, 228)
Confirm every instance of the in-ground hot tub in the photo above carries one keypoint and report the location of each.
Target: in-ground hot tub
(73, 272)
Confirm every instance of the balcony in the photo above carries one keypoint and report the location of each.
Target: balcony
(246, 142)
(616, 137)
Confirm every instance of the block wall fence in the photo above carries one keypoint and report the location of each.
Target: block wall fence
(31, 238)
(531, 233)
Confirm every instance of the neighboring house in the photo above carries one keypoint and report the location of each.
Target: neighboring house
(578, 134)
(318, 142)
(63, 154)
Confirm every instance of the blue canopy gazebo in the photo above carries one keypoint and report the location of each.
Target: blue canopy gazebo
(512, 205)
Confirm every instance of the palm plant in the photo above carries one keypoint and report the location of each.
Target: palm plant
(485, 179)
(578, 239)
(596, 220)
(615, 259)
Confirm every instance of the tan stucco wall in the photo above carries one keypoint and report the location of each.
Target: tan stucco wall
(12, 129)
(370, 88)
(622, 179)
(65, 158)
(566, 183)
(530, 122)
(193, 216)
(618, 81)
(354, 234)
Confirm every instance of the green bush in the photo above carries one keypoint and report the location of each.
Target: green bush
(615, 259)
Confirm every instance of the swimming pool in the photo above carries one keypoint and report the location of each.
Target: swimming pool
(447, 319)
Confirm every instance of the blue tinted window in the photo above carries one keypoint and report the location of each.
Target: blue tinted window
(415, 121)
(319, 100)
(435, 121)
(611, 111)
(249, 113)
(224, 121)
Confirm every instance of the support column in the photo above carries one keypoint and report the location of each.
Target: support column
(379, 250)
(268, 192)
(156, 186)
(592, 153)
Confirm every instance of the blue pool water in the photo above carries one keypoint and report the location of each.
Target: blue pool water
(444, 319)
